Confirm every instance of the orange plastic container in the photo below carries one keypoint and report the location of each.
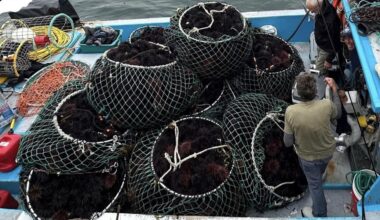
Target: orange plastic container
(9, 144)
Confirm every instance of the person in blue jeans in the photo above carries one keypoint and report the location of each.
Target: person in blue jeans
(308, 127)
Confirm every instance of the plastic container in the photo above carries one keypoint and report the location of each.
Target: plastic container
(9, 144)
(6, 113)
(84, 48)
(355, 195)
(7, 201)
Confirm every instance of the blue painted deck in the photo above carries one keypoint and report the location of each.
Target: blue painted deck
(9, 181)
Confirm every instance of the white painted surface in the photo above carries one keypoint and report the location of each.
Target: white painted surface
(14, 214)
(12, 5)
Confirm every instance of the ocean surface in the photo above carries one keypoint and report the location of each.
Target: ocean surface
(130, 9)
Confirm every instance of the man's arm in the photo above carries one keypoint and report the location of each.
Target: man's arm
(288, 131)
(338, 105)
(288, 139)
(337, 108)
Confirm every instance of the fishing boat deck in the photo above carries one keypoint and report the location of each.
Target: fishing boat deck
(338, 194)
(337, 190)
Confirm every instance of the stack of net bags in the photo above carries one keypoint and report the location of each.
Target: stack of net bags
(269, 172)
(141, 97)
(213, 40)
(271, 68)
(214, 95)
(66, 160)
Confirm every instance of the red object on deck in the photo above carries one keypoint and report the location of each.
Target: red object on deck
(7, 201)
(8, 150)
(354, 204)
(41, 40)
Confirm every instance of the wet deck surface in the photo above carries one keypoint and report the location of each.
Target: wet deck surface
(338, 205)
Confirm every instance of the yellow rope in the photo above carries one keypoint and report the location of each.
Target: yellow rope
(15, 67)
(42, 54)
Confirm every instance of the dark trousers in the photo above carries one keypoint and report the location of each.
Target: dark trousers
(313, 171)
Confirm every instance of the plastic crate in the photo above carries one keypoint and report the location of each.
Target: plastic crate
(84, 48)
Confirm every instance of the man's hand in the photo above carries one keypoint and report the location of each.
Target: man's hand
(327, 65)
(331, 82)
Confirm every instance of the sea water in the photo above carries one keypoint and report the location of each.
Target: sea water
(131, 9)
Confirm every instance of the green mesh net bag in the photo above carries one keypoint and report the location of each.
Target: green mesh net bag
(269, 172)
(72, 138)
(185, 169)
(141, 96)
(213, 99)
(271, 69)
(84, 196)
(210, 38)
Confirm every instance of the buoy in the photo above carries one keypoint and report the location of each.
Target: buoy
(21, 34)
(269, 29)
(41, 40)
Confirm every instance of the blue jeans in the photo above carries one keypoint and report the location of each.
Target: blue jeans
(313, 171)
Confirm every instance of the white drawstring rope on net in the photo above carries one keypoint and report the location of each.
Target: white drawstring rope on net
(195, 29)
(274, 116)
(174, 165)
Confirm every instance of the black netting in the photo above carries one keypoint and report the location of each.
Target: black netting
(215, 51)
(213, 99)
(14, 57)
(85, 196)
(141, 97)
(204, 184)
(47, 147)
(269, 172)
(149, 33)
(271, 69)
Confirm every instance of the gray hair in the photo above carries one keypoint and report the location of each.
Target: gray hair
(306, 86)
(313, 5)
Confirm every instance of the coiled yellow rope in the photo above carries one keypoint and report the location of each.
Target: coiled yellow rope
(44, 53)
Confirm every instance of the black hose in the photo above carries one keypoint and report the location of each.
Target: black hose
(298, 27)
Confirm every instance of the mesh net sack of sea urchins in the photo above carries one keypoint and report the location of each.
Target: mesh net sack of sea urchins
(47, 111)
(211, 38)
(213, 99)
(271, 69)
(149, 33)
(185, 168)
(84, 196)
(75, 139)
(141, 85)
(269, 172)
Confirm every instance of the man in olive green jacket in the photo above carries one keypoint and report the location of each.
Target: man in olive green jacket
(308, 128)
